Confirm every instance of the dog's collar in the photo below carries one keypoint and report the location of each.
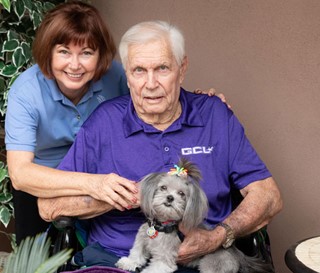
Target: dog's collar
(166, 227)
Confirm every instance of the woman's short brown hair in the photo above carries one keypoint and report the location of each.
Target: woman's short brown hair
(76, 22)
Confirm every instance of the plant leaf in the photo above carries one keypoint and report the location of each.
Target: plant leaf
(31, 256)
(48, 6)
(19, 9)
(28, 4)
(18, 58)
(36, 18)
(6, 4)
(5, 197)
(9, 70)
(3, 172)
(12, 79)
(9, 46)
(53, 263)
(2, 87)
(12, 35)
(26, 51)
(5, 216)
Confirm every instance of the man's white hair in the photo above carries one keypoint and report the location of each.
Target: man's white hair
(145, 32)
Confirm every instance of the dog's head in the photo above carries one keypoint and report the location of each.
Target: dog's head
(175, 195)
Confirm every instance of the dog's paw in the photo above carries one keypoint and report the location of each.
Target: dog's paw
(126, 263)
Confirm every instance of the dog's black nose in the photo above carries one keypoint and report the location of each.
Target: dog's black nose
(170, 198)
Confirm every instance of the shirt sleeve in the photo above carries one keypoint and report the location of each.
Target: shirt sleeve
(21, 121)
(75, 159)
(245, 164)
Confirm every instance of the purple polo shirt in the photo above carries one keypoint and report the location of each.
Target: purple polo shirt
(114, 139)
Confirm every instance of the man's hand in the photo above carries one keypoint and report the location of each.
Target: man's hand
(198, 242)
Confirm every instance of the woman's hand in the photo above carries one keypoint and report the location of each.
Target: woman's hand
(212, 92)
(115, 190)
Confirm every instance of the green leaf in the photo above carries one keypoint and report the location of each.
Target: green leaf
(5, 197)
(6, 4)
(47, 6)
(19, 9)
(2, 86)
(3, 30)
(28, 4)
(3, 175)
(26, 51)
(32, 256)
(9, 70)
(12, 79)
(18, 58)
(12, 35)
(9, 46)
(36, 18)
(5, 216)
(50, 265)
(38, 7)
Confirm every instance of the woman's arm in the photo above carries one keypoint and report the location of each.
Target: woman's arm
(47, 182)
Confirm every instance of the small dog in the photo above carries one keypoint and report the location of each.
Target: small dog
(168, 199)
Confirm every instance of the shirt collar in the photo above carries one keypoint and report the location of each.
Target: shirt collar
(190, 116)
(58, 96)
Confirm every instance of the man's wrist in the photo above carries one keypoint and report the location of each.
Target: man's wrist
(230, 237)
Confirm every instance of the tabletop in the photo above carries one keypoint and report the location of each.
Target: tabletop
(304, 256)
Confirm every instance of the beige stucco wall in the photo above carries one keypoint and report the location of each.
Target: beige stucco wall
(265, 57)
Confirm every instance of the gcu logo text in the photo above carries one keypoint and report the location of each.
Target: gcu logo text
(196, 150)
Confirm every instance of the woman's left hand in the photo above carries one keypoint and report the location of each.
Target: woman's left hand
(212, 92)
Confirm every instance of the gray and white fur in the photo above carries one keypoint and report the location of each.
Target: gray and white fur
(166, 197)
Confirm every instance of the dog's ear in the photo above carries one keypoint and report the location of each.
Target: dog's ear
(148, 187)
(196, 207)
(197, 203)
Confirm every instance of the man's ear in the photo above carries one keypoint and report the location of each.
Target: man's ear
(183, 68)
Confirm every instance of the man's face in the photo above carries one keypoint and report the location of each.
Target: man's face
(154, 78)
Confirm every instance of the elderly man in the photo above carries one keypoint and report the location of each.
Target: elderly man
(148, 132)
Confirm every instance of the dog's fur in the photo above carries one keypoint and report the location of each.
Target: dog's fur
(180, 198)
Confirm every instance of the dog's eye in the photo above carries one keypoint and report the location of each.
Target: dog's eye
(163, 188)
(181, 193)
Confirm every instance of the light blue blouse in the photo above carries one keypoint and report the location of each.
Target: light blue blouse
(40, 119)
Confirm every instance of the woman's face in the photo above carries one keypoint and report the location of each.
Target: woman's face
(73, 66)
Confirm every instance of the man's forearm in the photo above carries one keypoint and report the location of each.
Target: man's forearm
(77, 206)
(262, 201)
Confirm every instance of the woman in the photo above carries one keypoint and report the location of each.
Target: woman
(47, 105)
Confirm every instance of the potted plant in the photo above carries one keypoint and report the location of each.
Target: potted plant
(32, 256)
(19, 20)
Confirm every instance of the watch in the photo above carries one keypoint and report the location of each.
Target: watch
(229, 235)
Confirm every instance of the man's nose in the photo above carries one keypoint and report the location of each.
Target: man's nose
(152, 81)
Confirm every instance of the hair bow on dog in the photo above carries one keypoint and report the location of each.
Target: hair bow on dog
(179, 171)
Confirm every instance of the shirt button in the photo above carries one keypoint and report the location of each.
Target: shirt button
(78, 117)
(166, 149)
